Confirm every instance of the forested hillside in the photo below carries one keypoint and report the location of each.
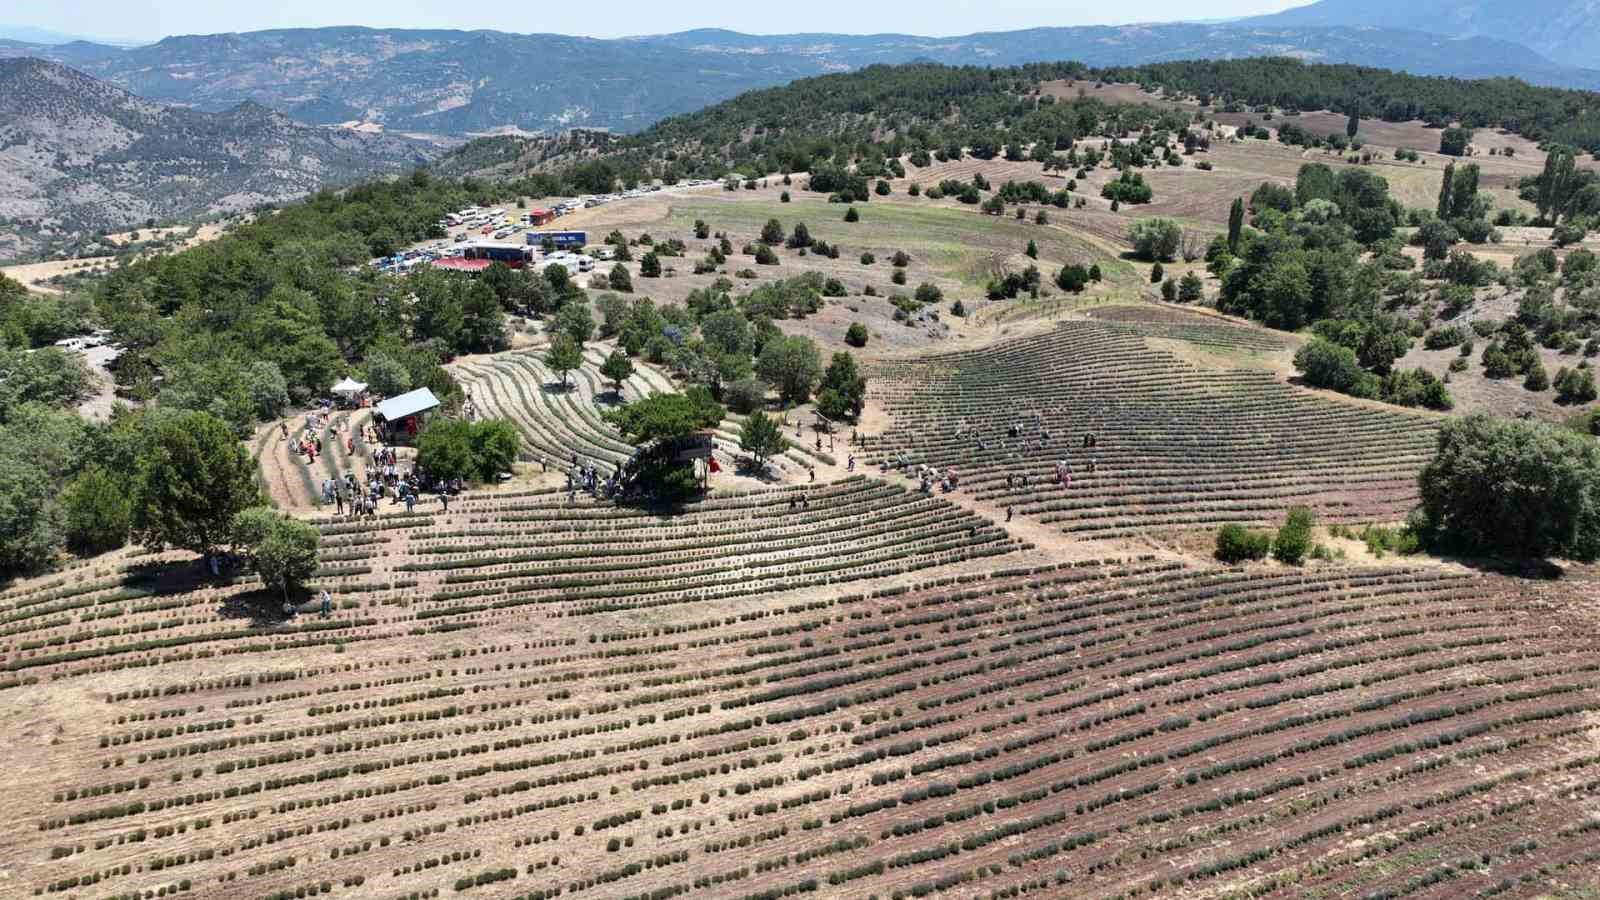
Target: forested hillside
(921, 109)
(1539, 113)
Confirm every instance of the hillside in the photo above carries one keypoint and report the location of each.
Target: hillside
(461, 82)
(79, 155)
(884, 111)
(1567, 31)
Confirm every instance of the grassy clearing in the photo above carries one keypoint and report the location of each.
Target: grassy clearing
(955, 243)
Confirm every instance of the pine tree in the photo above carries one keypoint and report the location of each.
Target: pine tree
(1445, 191)
(1033, 250)
(1464, 191)
(1235, 224)
(1353, 125)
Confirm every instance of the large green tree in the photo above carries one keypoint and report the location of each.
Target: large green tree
(667, 416)
(792, 364)
(1516, 488)
(563, 355)
(283, 549)
(843, 389)
(194, 477)
(761, 438)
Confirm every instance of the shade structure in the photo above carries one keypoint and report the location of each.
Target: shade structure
(408, 404)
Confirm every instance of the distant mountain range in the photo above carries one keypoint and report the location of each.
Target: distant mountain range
(78, 155)
(461, 82)
(1566, 31)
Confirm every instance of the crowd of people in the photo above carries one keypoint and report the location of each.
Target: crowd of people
(356, 494)
(586, 477)
(1022, 436)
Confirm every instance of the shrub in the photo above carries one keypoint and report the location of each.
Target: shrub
(1294, 536)
(856, 335)
(1155, 239)
(850, 215)
(1236, 544)
(1190, 288)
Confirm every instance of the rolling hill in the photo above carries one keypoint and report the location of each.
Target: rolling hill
(78, 155)
(460, 82)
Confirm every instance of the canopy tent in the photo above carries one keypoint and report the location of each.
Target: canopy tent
(348, 387)
(409, 404)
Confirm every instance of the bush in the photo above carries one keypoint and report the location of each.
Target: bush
(1190, 288)
(850, 215)
(1236, 544)
(1294, 537)
(1440, 338)
(856, 335)
(1333, 366)
(1155, 239)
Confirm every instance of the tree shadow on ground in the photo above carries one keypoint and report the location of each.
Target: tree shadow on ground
(176, 577)
(1527, 569)
(556, 387)
(263, 608)
(765, 474)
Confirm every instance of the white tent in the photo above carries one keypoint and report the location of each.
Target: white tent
(348, 387)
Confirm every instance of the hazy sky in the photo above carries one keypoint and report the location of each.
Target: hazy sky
(135, 20)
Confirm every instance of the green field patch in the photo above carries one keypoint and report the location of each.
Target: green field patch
(954, 243)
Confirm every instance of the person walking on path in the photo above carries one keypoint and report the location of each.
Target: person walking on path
(327, 603)
(444, 500)
(1008, 513)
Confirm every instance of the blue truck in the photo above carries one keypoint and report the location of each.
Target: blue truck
(563, 240)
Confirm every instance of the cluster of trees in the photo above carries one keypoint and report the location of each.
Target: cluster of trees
(271, 313)
(1320, 255)
(834, 126)
(1539, 113)
(1567, 197)
(162, 477)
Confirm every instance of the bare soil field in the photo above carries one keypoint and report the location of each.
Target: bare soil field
(36, 276)
(782, 706)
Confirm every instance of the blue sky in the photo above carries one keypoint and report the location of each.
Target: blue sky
(133, 20)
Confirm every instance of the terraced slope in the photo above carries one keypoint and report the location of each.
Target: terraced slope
(1178, 446)
(1057, 731)
(559, 423)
